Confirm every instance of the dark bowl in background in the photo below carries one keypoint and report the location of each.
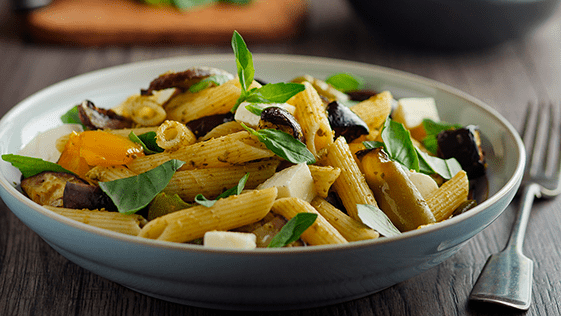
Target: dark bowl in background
(453, 24)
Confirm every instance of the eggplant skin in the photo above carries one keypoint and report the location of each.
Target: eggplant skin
(345, 122)
(464, 144)
(47, 188)
(86, 196)
(202, 126)
(279, 118)
(96, 118)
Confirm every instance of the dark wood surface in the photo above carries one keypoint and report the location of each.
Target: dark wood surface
(36, 280)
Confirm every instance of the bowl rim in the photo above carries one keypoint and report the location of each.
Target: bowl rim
(511, 184)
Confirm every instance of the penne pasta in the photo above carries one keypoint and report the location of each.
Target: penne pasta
(171, 135)
(320, 233)
(351, 229)
(104, 174)
(324, 177)
(121, 223)
(210, 182)
(228, 213)
(443, 201)
(311, 115)
(222, 130)
(375, 110)
(229, 150)
(350, 185)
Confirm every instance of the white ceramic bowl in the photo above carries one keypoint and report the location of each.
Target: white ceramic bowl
(261, 279)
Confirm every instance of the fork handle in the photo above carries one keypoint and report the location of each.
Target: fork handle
(516, 239)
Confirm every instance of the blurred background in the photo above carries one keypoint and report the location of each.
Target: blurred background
(504, 52)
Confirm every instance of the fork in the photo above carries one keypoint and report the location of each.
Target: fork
(506, 278)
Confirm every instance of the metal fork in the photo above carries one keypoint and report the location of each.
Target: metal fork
(506, 278)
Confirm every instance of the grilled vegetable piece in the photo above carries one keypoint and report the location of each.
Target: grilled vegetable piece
(345, 122)
(86, 196)
(464, 144)
(396, 195)
(184, 79)
(47, 188)
(95, 118)
(361, 95)
(202, 126)
(279, 118)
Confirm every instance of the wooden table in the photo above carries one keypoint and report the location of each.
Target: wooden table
(36, 280)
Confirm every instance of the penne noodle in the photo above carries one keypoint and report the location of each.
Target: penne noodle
(350, 185)
(444, 200)
(375, 110)
(121, 223)
(104, 174)
(125, 132)
(222, 130)
(228, 213)
(320, 233)
(210, 182)
(188, 106)
(172, 135)
(323, 176)
(311, 115)
(229, 150)
(351, 229)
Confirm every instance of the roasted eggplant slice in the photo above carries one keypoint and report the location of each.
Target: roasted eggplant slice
(464, 144)
(183, 80)
(81, 195)
(95, 118)
(345, 122)
(279, 118)
(361, 95)
(47, 188)
(202, 126)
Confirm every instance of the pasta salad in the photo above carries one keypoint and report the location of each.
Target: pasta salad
(225, 160)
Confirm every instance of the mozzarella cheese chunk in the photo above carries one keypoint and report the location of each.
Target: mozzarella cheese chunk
(424, 183)
(412, 111)
(43, 146)
(243, 115)
(231, 240)
(295, 181)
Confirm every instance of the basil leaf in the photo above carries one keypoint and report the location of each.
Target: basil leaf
(148, 142)
(206, 82)
(283, 145)
(292, 230)
(398, 144)
(30, 166)
(188, 4)
(164, 204)
(236, 1)
(237, 190)
(254, 109)
(372, 144)
(274, 92)
(345, 82)
(432, 129)
(134, 193)
(376, 219)
(446, 168)
(72, 116)
(244, 65)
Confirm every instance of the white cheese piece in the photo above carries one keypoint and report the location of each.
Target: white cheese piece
(243, 115)
(411, 111)
(44, 144)
(424, 183)
(295, 181)
(232, 240)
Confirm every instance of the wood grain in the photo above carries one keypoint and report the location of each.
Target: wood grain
(36, 280)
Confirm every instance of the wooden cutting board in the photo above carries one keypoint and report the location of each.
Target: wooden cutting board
(130, 22)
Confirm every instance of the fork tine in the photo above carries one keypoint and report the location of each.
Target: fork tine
(534, 151)
(548, 153)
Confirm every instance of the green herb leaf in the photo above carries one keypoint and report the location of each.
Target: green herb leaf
(148, 142)
(446, 168)
(372, 144)
(345, 82)
(292, 230)
(374, 218)
(432, 129)
(30, 166)
(283, 145)
(72, 117)
(254, 109)
(274, 92)
(398, 144)
(189, 4)
(134, 193)
(199, 198)
(206, 82)
(164, 204)
(244, 65)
